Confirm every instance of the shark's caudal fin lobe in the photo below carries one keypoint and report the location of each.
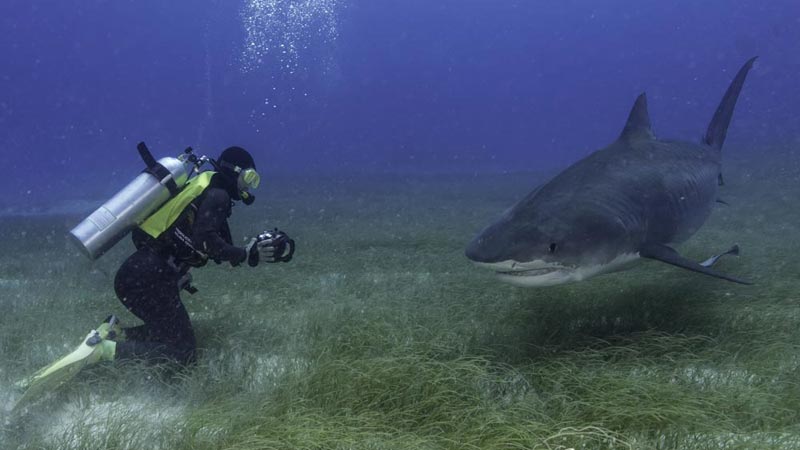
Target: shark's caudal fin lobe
(668, 255)
(718, 128)
(638, 124)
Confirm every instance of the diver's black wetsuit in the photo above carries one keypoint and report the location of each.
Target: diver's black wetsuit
(147, 282)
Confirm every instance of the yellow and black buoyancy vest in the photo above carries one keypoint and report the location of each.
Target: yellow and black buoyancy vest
(161, 220)
(168, 231)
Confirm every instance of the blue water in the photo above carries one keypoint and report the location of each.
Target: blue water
(342, 86)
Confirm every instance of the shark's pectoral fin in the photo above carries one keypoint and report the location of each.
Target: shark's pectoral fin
(668, 255)
(713, 260)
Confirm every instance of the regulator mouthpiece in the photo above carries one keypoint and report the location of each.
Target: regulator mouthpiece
(247, 198)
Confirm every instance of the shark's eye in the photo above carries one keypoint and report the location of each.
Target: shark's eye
(553, 247)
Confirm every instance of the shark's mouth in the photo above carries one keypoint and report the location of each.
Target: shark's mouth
(538, 276)
(548, 273)
(531, 272)
(526, 269)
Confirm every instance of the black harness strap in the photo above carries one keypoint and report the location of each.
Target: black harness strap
(157, 170)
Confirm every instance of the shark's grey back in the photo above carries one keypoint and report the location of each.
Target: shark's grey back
(658, 191)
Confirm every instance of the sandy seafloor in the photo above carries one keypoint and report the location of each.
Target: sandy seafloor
(382, 335)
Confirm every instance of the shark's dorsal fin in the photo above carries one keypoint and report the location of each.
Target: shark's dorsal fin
(638, 125)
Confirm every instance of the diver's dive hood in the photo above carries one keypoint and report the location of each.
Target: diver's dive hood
(159, 181)
(238, 169)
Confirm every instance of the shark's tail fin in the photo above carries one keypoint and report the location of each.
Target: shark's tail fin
(718, 127)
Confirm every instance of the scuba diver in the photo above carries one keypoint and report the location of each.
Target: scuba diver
(186, 231)
(149, 281)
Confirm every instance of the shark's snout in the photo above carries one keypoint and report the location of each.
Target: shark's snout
(495, 243)
(474, 252)
(483, 249)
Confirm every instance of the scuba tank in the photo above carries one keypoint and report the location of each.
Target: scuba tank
(129, 207)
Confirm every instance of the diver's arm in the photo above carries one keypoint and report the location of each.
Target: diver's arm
(211, 219)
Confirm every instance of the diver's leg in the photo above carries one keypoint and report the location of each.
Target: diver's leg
(148, 287)
(137, 333)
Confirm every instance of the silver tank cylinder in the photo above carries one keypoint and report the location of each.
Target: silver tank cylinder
(128, 208)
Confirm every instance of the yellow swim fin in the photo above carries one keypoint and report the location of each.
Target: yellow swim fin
(94, 348)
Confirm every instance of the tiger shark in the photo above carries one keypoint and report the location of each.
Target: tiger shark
(633, 199)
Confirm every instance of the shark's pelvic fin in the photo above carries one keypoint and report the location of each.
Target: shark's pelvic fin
(718, 128)
(668, 255)
(638, 124)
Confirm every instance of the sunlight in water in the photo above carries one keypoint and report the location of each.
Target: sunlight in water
(278, 31)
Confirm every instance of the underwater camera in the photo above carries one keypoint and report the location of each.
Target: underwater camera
(284, 246)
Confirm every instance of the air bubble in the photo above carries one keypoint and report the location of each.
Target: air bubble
(285, 25)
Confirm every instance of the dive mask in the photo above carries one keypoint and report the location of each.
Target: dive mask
(248, 179)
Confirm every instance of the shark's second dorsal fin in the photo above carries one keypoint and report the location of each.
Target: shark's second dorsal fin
(638, 125)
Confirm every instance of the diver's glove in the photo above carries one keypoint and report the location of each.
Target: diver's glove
(270, 246)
